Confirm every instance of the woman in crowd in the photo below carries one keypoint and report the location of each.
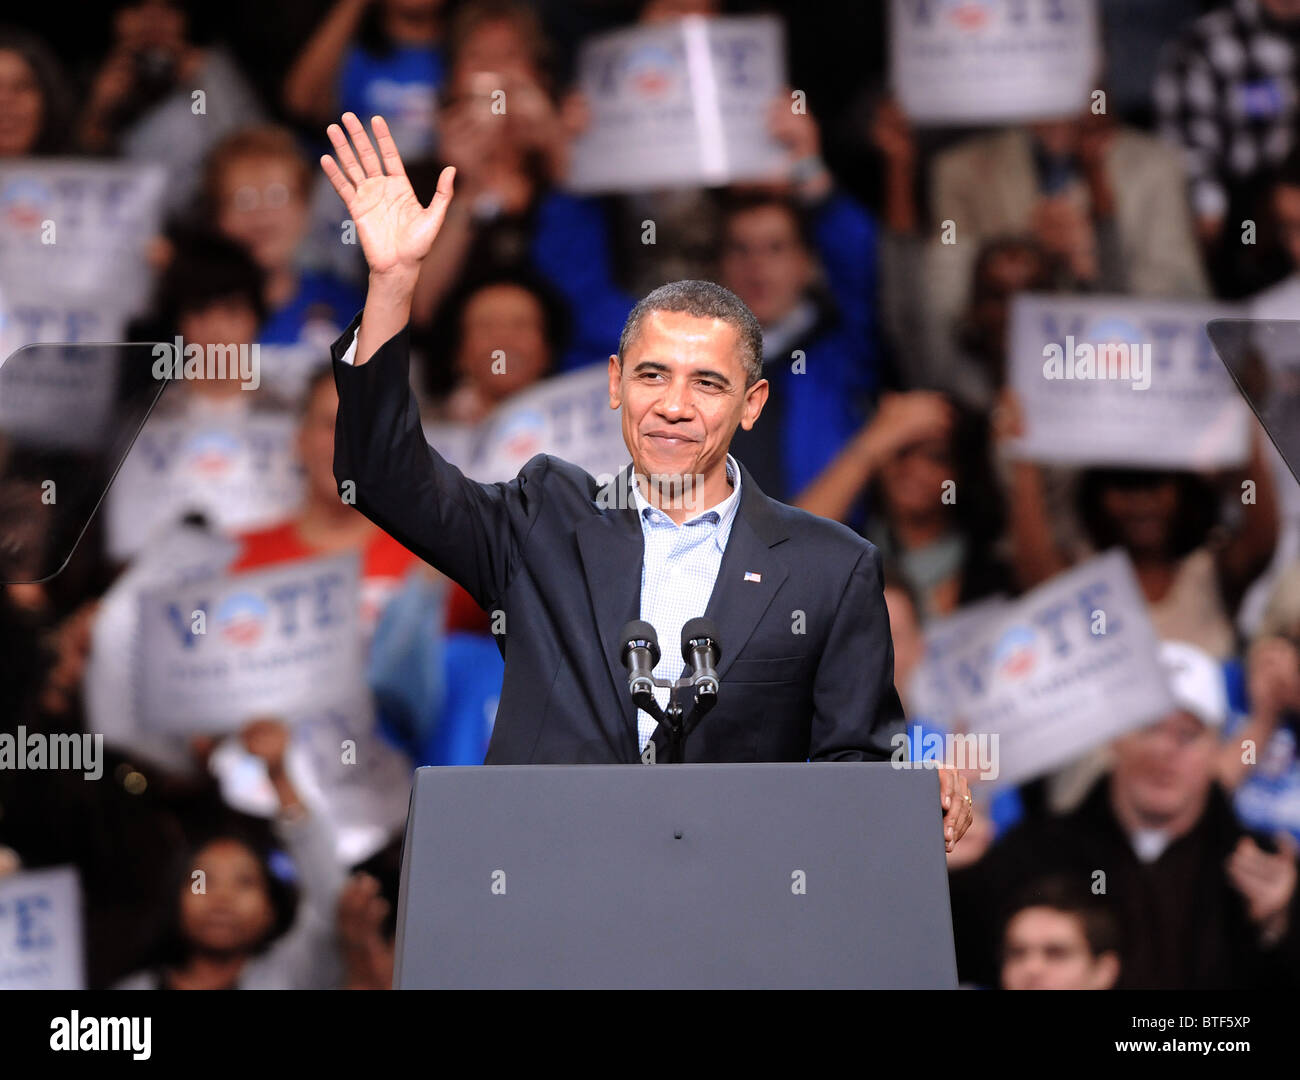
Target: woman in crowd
(34, 104)
(235, 924)
(1192, 565)
(373, 57)
(935, 511)
(256, 188)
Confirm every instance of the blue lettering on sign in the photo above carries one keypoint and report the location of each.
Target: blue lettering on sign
(561, 411)
(180, 621)
(734, 54)
(29, 932)
(1059, 330)
(320, 590)
(977, 14)
(48, 323)
(973, 672)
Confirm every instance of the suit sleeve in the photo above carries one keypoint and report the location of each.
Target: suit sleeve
(471, 532)
(856, 710)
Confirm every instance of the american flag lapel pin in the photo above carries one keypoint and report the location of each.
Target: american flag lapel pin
(751, 576)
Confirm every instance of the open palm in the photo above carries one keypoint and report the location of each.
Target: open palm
(395, 231)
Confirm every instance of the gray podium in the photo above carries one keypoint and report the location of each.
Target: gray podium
(674, 876)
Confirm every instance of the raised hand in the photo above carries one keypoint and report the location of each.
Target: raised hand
(394, 230)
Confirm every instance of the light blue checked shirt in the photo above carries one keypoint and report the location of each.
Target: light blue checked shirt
(677, 574)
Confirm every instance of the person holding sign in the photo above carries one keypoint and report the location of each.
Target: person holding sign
(567, 561)
(235, 925)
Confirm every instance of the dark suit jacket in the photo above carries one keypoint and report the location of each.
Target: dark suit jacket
(807, 661)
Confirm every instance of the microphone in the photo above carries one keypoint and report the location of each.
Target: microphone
(640, 654)
(702, 651)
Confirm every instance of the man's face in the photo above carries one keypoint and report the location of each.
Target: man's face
(1165, 769)
(1045, 949)
(764, 262)
(681, 387)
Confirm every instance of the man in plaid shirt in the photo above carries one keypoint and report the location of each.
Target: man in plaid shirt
(1227, 92)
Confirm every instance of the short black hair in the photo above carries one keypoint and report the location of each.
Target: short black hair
(1069, 896)
(735, 203)
(206, 268)
(1195, 514)
(172, 948)
(442, 340)
(704, 300)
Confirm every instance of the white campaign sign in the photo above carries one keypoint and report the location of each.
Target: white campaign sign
(283, 642)
(73, 240)
(242, 473)
(961, 62)
(681, 104)
(568, 416)
(1061, 670)
(341, 766)
(41, 944)
(1123, 381)
(930, 696)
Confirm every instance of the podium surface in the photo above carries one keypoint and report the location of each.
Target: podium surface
(828, 875)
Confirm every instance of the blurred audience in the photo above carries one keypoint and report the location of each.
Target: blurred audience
(35, 105)
(373, 57)
(159, 97)
(1166, 859)
(1058, 936)
(1155, 832)
(256, 187)
(1226, 93)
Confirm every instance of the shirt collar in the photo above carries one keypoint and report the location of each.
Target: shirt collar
(725, 510)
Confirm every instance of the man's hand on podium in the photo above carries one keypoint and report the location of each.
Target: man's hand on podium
(955, 797)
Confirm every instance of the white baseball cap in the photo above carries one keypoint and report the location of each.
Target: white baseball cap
(1196, 681)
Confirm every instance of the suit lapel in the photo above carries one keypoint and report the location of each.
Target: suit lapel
(612, 549)
(750, 573)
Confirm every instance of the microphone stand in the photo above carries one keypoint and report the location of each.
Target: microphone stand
(671, 719)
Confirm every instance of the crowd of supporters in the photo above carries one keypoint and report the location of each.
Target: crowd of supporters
(904, 389)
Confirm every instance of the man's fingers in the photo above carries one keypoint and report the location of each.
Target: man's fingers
(365, 148)
(387, 147)
(437, 208)
(341, 183)
(967, 821)
(347, 159)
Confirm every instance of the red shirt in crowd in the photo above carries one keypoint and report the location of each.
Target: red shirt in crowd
(384, 562)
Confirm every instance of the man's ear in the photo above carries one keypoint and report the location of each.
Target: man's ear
(615, 382)
(755, 399)
(1105, 971)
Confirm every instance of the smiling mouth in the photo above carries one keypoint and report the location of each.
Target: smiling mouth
(671, 440)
